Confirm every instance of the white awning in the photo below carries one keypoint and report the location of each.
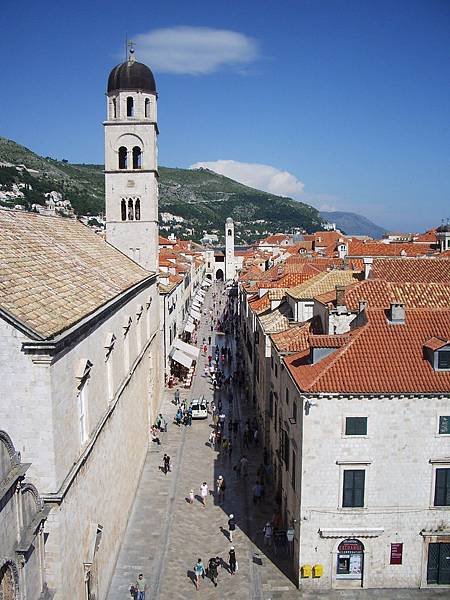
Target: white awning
(195, 314)
(199, 299)
(189, 327)
(188, 349)
(201, 293)
(206, 282)
(197, 306)
(182, 358)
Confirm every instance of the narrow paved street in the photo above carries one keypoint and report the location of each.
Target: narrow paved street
(166, 535)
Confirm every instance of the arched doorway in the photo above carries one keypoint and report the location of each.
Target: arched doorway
(350, 560)
(219, 274)
(208, 276)
(7, 584)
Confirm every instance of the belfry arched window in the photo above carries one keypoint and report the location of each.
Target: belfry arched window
(123, 157)
(130, 209)
(230, 232)
(137, 210)
(147, 108)
(137, 157)
(123, 210)
(114, 104)
(130, 107)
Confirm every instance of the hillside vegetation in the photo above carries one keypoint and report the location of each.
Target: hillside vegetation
(201, 197)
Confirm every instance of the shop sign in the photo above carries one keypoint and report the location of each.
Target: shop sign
(350, 547)
(396, 554)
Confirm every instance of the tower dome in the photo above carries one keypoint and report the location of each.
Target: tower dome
(131, 75)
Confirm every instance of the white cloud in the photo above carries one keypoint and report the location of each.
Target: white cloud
(194, 50)
(262, 177)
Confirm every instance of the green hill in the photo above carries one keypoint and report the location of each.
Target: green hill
(201, 197)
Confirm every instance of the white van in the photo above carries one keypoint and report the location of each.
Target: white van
(199, 408)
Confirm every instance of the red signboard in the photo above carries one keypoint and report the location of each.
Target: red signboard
(396, 554)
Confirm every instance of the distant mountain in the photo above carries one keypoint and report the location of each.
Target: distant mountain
(201, 198)
(354, 224)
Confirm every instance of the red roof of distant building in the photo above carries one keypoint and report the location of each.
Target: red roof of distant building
(416, 270)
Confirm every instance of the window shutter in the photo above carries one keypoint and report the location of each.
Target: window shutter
(442, 488)
(359, 488)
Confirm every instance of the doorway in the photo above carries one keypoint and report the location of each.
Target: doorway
(350, 560)
(219, 275)
(7, 587)
(438, 568)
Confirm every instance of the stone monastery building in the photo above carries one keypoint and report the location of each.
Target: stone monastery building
(80, 364)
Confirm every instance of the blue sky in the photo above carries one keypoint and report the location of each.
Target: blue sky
(342, 104)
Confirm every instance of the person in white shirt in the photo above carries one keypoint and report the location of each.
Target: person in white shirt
(204, 493)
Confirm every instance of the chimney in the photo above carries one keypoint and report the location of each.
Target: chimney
(362, 305)
(340, 293)
(368, 262)
(397, 313)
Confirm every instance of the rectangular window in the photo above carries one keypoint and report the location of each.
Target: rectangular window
(353, 493)
(356, 426)
(287, 396)
(271, 362)
(271, 405)
(275, 416)
(82, 413)
(442, 488)
(294, 461)
(294, 411)
(286, 449)
(444, 359)
(444, 424)
(276, 370)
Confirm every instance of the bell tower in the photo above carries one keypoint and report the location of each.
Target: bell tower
(131, 162)
(230, 266)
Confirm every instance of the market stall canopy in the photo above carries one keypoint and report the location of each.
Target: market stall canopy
(181, 358)
(189, 327)
(188, 349)
(206, 282)
(195, 314)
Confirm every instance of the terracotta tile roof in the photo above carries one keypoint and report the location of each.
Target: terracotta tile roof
(380, 358)
(328, 341)
(293, 339)
(55, 271)
(435, 343)
(275, 239)
(260, 305)
(276, 320)
(323, 282)
(165, 241)
(276, 293)
(425, 270)
(379, 294)
(429, 237)
(358, 248)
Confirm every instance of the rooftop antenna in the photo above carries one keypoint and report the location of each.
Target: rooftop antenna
(131, 57)
(126, 46)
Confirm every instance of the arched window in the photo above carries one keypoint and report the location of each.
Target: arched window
(130, 209)
(229, 232)
(147, 108)
(123, 208)
(114, 103)
(123, 157)
(130, 107)
(137, 210)
(136, 157)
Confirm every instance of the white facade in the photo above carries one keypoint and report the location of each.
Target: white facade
(82, 409)
(230, 263)
(131, 186)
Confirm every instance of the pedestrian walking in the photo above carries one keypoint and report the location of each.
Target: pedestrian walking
(204, 493)
(268, 534)
(162, 423)
(209, 341)
(177, 397)
(212, 438)
(255, 437)
(244, 466)
(191, 497)
(199, 571)
(220, 485)
(232, 560)
(237, 470)
(257, 492)
(141, 586)
(213, 571)
(166, 463)
(231, 527)
(154, 434)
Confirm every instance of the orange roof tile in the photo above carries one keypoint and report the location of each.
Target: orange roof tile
(358, 248)
(426, 270)
(380, 358)
(293, 339)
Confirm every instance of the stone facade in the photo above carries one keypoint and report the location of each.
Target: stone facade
(22, 565)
